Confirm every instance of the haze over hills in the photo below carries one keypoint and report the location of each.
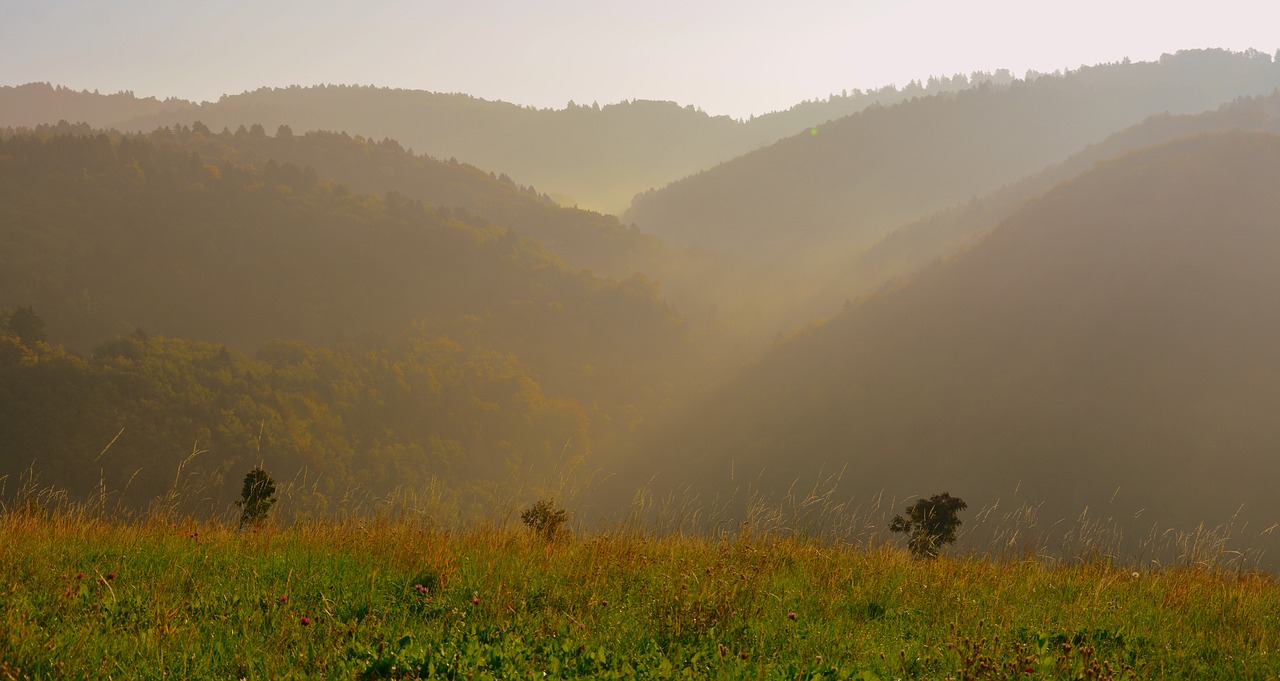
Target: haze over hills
(1117, 332)
(913, 246)
(787, 222)
(853, 180)
(596, 156)
(409, 319)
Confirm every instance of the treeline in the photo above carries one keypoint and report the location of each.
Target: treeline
(129, 416)
(597, 155)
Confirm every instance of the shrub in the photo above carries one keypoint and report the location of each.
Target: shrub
(257, 497)
(544, 518)
(930, 523)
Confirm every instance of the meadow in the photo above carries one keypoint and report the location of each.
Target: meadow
(385, 596)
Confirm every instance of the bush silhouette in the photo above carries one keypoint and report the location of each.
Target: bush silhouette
(544, 518)
(930, 523)
(257, 497)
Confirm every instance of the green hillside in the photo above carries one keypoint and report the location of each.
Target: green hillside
(394, 341)
(399, 599)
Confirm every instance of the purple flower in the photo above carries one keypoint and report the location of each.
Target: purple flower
(306, 621)
(79, 575)
(791, 615)
(604, 602)
(284, 599)
(475, 600)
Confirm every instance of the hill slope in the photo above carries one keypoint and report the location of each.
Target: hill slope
(102, 236)
(803, 199)
(583, 239)
(913, 246)
(1118, 332)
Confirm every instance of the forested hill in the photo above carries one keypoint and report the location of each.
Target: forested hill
(262, 313)
(148, 419)
(583, 239)
(814, 196)
(103, 236)
(915, 245)
(1118, 332)
(598, 156)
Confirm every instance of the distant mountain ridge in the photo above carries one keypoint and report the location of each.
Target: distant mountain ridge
(597, 156)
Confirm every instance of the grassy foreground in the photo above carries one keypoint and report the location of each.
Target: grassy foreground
(94, 599)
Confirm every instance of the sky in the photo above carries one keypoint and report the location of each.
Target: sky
(735, 57)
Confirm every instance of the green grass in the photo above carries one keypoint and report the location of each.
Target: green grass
(85, 598)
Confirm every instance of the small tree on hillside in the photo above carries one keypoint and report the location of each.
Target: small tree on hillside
(544, 518)
(257, 497)
(930, 524)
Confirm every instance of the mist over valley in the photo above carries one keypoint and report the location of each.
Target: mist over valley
(1055, 290)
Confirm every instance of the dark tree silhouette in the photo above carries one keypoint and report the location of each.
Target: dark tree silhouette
(930, 523)
(27, 326)
(544, 518)
(257, 497)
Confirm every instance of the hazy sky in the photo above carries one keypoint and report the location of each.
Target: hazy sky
(726, 56)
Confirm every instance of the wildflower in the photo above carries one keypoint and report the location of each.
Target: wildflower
(604, 603)
(421, 589)
(79, 575)
(306, 621)
(111, 576)
(791, 615)
(475, 600)
(284, 599)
